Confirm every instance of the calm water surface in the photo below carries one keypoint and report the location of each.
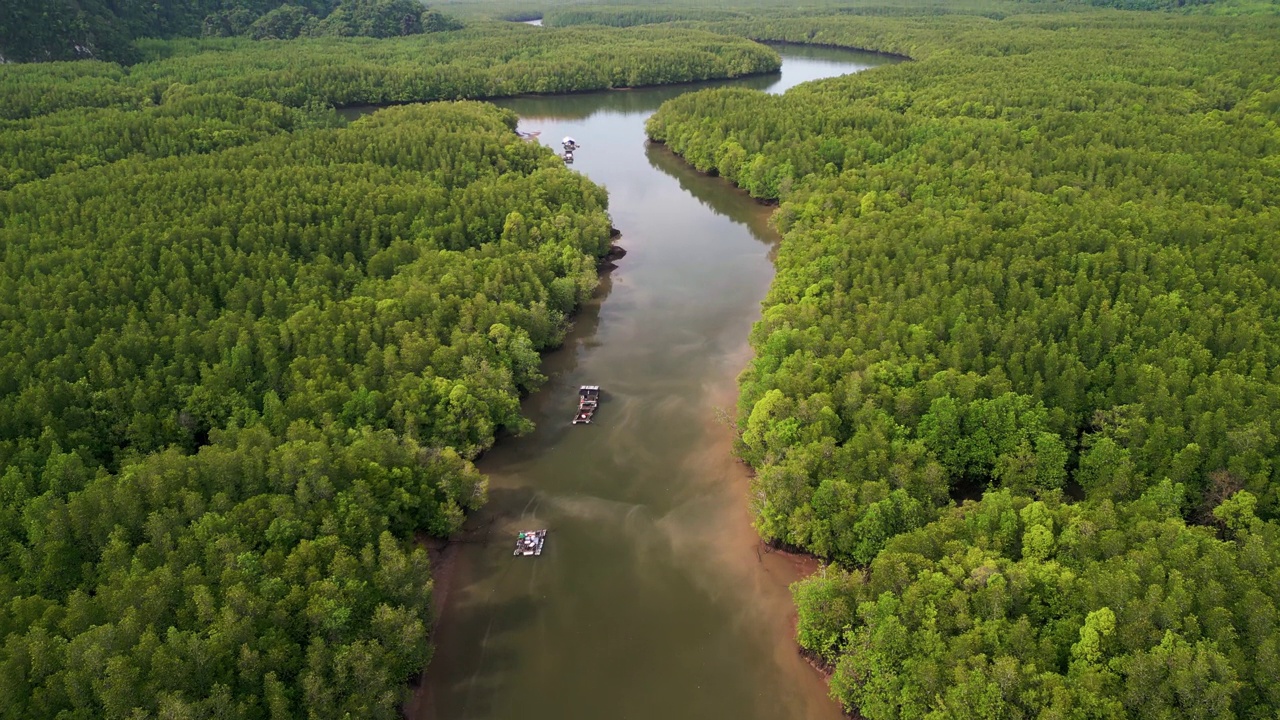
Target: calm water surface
(653, 597)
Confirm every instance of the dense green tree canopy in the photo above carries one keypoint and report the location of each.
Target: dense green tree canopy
(249, 352)
(1041, 257)
(246, 356)
(482, 61)
(1070, 222)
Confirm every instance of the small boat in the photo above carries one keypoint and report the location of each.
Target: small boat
(530, 542)
(588, 401)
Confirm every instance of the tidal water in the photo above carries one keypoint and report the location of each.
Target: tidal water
(653, 597)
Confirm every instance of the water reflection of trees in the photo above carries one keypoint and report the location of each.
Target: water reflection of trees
(582, 332)
(584, 105)
(717, 194)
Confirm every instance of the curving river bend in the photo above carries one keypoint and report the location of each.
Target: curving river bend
(653, 597)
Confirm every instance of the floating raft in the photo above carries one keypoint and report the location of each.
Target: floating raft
(530, 542)
(588, 401)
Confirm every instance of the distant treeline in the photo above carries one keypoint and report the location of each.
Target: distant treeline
(631, 16)
(42, 30)
(486, 60)
(690, 11)
(1040, 259)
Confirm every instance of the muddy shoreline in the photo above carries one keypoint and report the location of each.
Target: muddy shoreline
(657, 597)
(442, 553)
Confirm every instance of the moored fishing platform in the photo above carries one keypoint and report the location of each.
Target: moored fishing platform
(530, 542)
(588, 401)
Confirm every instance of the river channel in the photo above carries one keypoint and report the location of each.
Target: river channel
(653, 597)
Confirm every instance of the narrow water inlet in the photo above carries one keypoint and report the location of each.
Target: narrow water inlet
(653, 596)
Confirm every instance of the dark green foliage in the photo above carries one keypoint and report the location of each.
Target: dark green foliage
(38, 30)
(434, 21)
(283, 23)
(1003, 438)
(373, 18)
(41, 30)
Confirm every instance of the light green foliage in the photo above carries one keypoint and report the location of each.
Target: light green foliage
(484, 60)
(206, 575)
(825, 611)
(617, 16)
(41, 88)
(1237, 512)
(1134, 614)
(1099, 624)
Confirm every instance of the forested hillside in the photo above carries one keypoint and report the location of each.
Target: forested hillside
(484, 61)
(1040, 258)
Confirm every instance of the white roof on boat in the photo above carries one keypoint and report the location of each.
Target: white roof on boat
(568, 139)
(589, 387)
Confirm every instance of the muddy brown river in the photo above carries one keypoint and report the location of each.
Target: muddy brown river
(653, 598)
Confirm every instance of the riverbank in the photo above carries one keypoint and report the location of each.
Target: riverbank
(654, 596)
(443, 553)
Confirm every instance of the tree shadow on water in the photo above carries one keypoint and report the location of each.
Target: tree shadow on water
(715, 193)
(477, 655)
